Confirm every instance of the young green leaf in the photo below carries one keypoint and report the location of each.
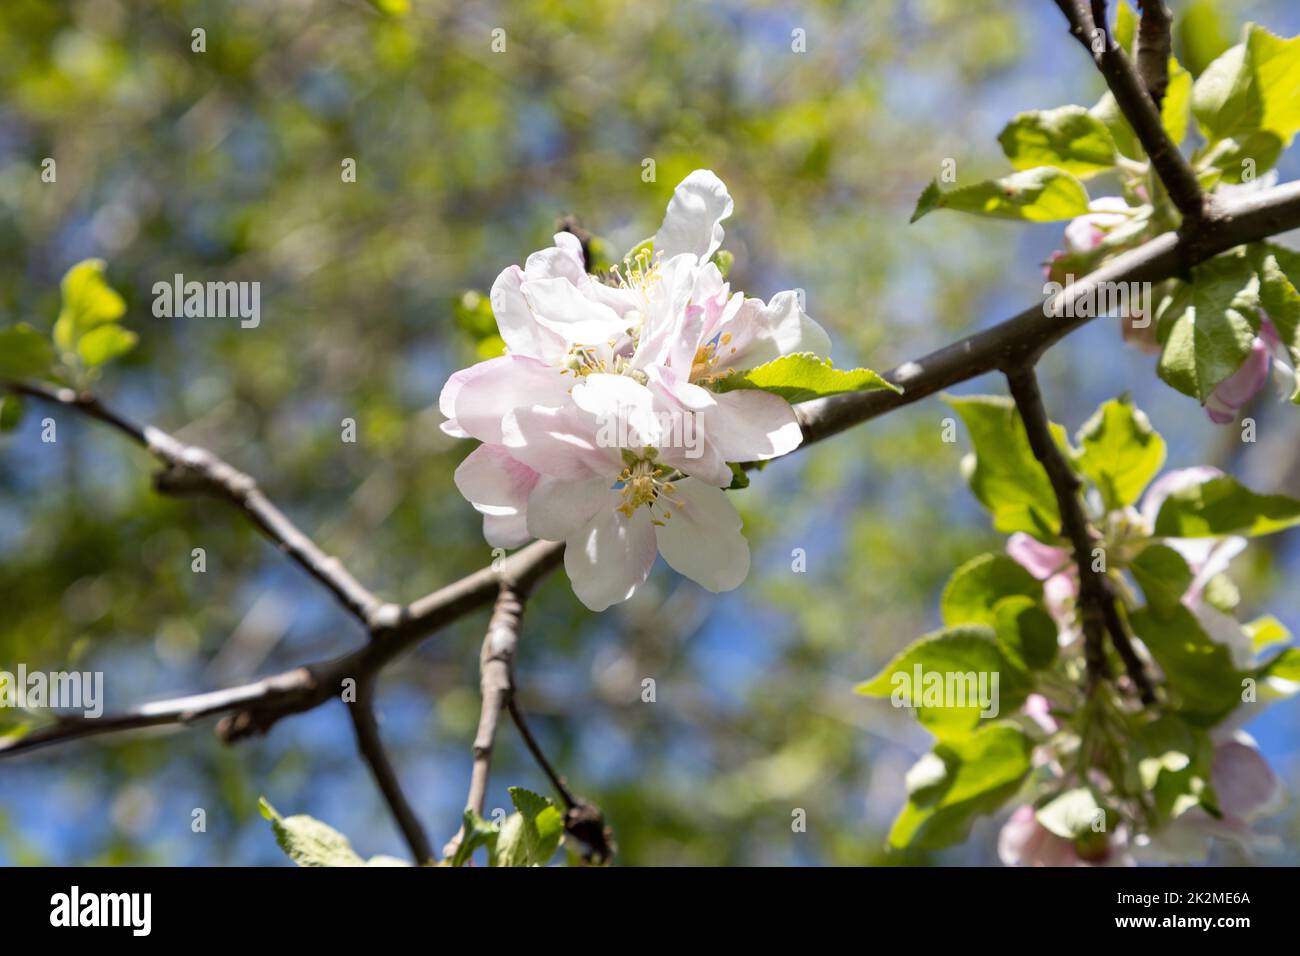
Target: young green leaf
(1164, 577)
(1224, 506)
(1003, 472)
(104, 343)
(24, 353)
(1026, 633)
(973, 776)
(940, 676)
(309, 842)
(1207, 327)
(1121, 452)
(1176, 108)
(530, 836)
(802, 376)
(1277, 71)
(1042, 194)
(976, 586)
(88, 301)
(1225, 98)
(1072, 814)
(1200, 675)
(1068, 137)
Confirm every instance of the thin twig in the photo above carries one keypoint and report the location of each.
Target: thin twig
(1154, 46)
(1097, 613)
(371, 748)
(496, 686)
(1088, 26)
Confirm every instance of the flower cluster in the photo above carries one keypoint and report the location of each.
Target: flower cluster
(603, 424)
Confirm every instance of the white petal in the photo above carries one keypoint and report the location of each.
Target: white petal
(515, 321)
(506, 531)
(701, 536)
(693, 222)
(558, 509)
(479, 397)
(760, 333)
(748, 425)
(560, 442)
(610, 557)
(561, 307)
(625, 411)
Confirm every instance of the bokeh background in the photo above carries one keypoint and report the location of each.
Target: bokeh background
(226, 165)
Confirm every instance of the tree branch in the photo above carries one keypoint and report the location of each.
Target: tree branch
(254, 707)
(371, 748)
(190, 470)
(582, 818)
(1097, 614)
(1088, 26)
(496, 686)
(1154, 47)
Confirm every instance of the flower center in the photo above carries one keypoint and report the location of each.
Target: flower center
(704, 366)
(643, 483)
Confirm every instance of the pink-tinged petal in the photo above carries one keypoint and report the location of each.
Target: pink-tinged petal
(610, 557)
(759, 333)
(1170, 482)
(664, 309)
(560, 442)
(700, 535)
(499, 487)
(693, 221)
(625, 412)
(506, 531)
(562, 308)
(515, 321)
(1039, 710)
(1084, 233)
(1245, 784)
(684, 444)
(746, 425)
(1023, 841)
(1040, 560)
(558, 509)
(479, 397)
(1241, 386)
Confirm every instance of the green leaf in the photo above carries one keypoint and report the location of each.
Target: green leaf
(802, 376)
(11, 412)
(1121, 452)
(308, 841)
(530, 836)
(1003, 472)
(475, 832)
(1199, 671)
(1277, 73)
(1203, 34)
(1279, 271)
(1223, 506)
(941, 676)
(980, 583)
(1025, 632)
(88, 301)
(1176, 108)
(104, 343)
(1173, 763)
(973, 776)
(1207, 327)
(1244, 158)
(1225, 98)
(1072, 814)
(24, 352)
(1126, 23)
(1266, 631)
(1042, 194)
(1069, 137)
(1164, 577)
(1121, 133)
(1285, 665)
